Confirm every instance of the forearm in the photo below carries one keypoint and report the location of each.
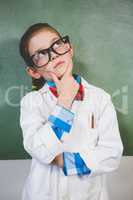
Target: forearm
(61, 121)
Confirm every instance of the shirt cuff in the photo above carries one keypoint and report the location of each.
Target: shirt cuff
(58, 131)
(62, 118)
(74, 164)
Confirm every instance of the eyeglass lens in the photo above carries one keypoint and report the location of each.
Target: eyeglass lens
(59, 47)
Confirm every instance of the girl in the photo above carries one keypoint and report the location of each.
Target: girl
(69, 126)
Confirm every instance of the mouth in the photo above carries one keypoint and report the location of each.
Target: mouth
(59, 63)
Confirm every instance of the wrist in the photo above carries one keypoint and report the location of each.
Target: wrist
(65, 102)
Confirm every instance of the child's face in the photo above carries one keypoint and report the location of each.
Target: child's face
(43, 40)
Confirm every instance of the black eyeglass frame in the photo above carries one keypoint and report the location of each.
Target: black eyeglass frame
(48, 50)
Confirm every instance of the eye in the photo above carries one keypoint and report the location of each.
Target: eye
(58, 43)
(35, 57)
(42, 52)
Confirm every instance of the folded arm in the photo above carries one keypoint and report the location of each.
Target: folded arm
(105, 156)
(40, 139)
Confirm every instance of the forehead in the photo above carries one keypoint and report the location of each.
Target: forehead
(41, 40)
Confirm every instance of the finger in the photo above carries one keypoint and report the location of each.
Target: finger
(55, 78)
(69, 69)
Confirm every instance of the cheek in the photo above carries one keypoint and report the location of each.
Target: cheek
(68, 56)
(47, 74)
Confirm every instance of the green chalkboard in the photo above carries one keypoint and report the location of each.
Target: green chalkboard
(102, 35)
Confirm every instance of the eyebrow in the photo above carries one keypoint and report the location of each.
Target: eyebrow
(53, 40)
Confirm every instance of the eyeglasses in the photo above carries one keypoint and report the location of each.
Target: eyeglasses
(42, 57)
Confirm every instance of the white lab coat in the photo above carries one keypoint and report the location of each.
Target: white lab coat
(101, 148)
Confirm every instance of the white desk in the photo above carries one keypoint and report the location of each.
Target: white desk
(14, 172)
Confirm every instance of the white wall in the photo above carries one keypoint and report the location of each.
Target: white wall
(14, 172)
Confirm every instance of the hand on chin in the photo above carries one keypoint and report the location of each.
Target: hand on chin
(60, 73)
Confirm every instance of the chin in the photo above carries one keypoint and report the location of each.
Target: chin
(60, 73)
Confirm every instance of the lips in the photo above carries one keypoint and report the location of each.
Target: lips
(60, 62)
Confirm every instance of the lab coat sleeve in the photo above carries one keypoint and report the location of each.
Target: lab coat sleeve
(39, 139)
(106, 155)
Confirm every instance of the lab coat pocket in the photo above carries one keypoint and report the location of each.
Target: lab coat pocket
(92, 127)
(92, 136)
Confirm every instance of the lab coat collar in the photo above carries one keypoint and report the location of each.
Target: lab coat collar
(45, 88)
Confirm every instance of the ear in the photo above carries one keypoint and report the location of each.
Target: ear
(33, 72)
